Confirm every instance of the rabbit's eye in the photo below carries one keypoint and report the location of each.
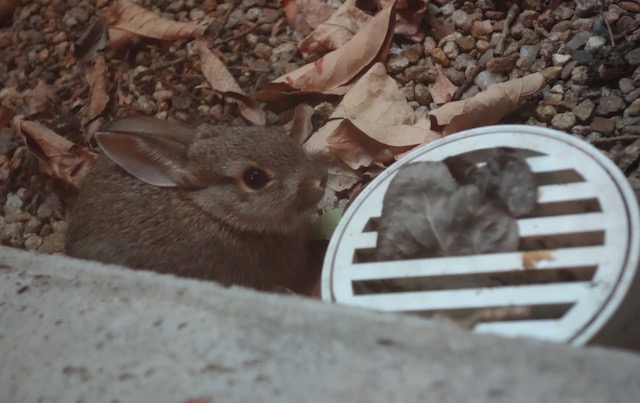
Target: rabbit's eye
(255, 178)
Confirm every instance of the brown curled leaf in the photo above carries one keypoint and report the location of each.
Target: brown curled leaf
(339, 67)
(58, 157)
(336, 31)
(97, 79)
(486, 107)
(223, 83)
(127, 20)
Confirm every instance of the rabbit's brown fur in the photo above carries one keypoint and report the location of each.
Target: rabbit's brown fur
(210, 226)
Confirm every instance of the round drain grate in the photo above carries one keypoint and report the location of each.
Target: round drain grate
(575, 274)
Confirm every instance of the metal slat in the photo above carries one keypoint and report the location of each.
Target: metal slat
(474, 298)
(566, 192)
(489, 263)
(564, 224)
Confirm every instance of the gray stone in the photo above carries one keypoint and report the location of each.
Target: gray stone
(631, 130)
(422, 95)
(559, 59)
(582, 57)
(634, 108)
(633, 57)
(397, 64)
(564, 121)
(584, 110)
(12, 207)
(587, 8)
(81, 331)
(626, 85)
(594, 44)
(421, 74)
(632, 96)
(610, 104)
(545, 113)
(579, 75)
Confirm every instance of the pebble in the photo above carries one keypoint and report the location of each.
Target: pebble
(11, 233)
(610, 104)
(53, 243)
(409, 91)
(32, 242)
(33, 225)
(163, 95)
(486, 78)
(567, 70)
(12, 207)
(603, 125)
(421, 74)
(626, 85)
(413, 53)
(594, 44)
(582, 57)
(423, 95)
(481, 28)
(254, 14)
(587, 8)
(629, 155)
(579, 40)
(440, 57)
(584, 110)
(579, 75)
(563, 121)
(451, 50)
(633, 57)
(397, 64)
(559, 59)
(632, 96)
(634, 108)
(466, 43)
(545, 113)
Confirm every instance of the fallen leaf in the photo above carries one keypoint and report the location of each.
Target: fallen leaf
(315, 11)
(128, 20)
(295, 18)
(409, 16)
(372, 124)
(339, 67)
(92, 40)
(442, 89)
(336, 31)
(304, 15)
(426, 213)
(58, 157)
(97, 79)
(487, 107)
(39, 99)
(223, 83)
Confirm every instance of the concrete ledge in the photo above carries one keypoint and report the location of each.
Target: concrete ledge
(74, 331)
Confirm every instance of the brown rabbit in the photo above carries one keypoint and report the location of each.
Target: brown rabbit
(229, 204)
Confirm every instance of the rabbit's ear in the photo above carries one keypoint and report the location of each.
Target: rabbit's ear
(151, 126)
(154, 160)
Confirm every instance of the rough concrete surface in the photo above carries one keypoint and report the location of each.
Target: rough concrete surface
(73, 331)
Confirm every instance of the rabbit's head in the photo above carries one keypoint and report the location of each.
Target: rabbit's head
(253, 179)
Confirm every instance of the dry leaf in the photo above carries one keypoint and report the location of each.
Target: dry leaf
(487, 107)
(342, 65)
(39, 99)
(336, 31)
(128, 20)
(58, 156)
(296, 19)
(93, 39)
(315, 11)
(301, 127)
(223, 83)
(426, 213)
(443, 89)
(409, 16)
(97, 79)
(372, 124)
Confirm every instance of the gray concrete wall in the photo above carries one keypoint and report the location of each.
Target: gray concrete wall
(74, 331)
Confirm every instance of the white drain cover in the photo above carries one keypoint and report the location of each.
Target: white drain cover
(575, 273)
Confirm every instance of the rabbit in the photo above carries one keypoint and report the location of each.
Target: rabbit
(228, 204)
